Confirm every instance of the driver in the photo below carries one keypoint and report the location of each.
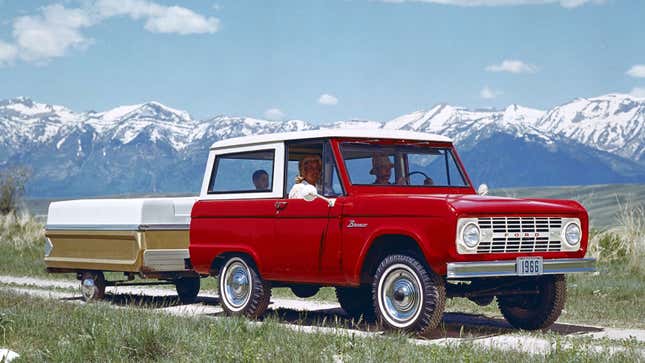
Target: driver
(381, 168)
(310, 168)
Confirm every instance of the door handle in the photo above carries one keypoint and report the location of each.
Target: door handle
(280, 205)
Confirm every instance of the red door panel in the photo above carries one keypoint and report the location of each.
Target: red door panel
(305, 247)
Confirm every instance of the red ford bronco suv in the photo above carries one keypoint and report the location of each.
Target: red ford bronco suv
(389, 218)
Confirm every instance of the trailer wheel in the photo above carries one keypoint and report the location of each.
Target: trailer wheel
(187, 289)
(241, 289)
(407, 295)
(534, 312)
(92, 286)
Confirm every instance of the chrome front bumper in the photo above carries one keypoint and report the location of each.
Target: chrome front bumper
(462, 270)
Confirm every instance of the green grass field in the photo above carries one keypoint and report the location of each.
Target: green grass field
(49, 330)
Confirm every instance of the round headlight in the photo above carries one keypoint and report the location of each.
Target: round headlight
(572, 234)
(470, 235)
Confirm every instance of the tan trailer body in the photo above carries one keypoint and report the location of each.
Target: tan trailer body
(110, 250)
(145, 236)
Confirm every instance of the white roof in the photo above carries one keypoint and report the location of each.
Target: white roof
(326, 133)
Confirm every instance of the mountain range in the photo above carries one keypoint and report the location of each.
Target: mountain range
(153, 148)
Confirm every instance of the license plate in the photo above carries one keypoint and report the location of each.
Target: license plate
(527, 266)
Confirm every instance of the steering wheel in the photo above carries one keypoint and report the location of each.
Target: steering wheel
(416, 172)
(425, 181)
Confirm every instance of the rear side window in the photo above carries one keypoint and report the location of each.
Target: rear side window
(243, 172)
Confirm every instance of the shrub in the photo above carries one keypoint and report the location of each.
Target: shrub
(626, 241)
(21, 231)
(12, 186)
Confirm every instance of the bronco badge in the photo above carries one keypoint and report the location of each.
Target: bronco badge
(352, 224)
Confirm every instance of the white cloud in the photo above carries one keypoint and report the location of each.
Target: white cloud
(51, 33)
(638, 92)
(56, 30)
(512, 66)
(563, 3)
(159, 18)
(327, 100)
(8, 52)
(487, 93)
(274, 114)
(637, 71)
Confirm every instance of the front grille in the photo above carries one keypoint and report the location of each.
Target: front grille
(519, 234)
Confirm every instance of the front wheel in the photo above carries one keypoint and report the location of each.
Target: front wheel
(535, 311)
(241, 289)
(407, 295)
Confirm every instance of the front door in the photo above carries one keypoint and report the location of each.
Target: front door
(307, 234)
(301, 238)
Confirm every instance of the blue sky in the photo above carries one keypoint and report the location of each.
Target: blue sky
(323, 60)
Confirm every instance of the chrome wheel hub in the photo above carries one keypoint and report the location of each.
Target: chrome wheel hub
(400, 295)
(237, 284)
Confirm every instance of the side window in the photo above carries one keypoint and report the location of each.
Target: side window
(313, 153)
(332, 186)
(243, 172)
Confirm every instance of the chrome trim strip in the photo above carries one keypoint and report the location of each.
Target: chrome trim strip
(117, 227)
(460, 270)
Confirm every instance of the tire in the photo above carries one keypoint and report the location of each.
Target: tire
(305, 291)
(187, 289)
(92, 286)
(241, 289)
(407, 296)
(357, 301)
(534, 312)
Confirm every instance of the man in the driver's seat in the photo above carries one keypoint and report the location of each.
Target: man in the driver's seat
(381, 168)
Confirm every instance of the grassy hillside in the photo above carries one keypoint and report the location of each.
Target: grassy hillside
(602, 201)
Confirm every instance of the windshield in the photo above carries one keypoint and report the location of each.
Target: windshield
(402, 165)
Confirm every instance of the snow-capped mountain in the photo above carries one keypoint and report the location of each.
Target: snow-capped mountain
(613, 123)
(598, 140)
(469, 126)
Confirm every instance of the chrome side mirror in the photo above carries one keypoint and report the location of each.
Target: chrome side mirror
(482, 190)
(311, 193)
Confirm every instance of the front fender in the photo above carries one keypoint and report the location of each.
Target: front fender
(429, 234)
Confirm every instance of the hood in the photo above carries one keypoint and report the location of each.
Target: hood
(485, 205)
(460, 205)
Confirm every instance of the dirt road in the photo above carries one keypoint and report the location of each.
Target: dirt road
(311, 316)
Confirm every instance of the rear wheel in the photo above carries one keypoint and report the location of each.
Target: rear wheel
(92, 286)
(408, 296)
(533, 312)
(187, 289)
(356, 301)
(305, 291)
(241, 289)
